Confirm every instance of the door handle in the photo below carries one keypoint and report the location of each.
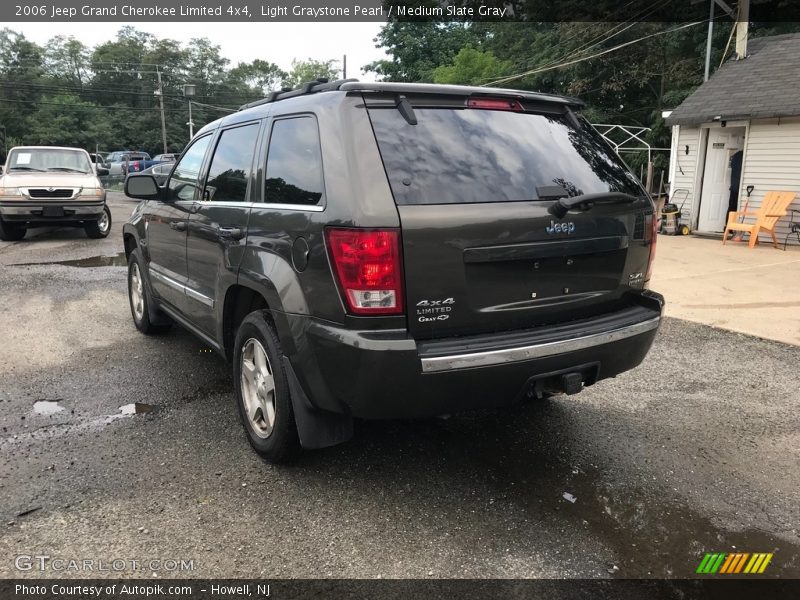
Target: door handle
(178, 225)
(230, 233)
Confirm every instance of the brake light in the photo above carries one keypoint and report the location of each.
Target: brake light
(368, 269)
(495, 104)
(653, 238)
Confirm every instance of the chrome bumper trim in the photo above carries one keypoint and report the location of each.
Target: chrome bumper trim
(520, 353)
(27, 210)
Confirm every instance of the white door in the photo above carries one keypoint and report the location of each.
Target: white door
(722, 144)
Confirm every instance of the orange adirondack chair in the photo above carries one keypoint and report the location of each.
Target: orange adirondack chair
(774, 206)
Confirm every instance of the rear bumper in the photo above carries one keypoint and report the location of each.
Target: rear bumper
(33, 213)
(387, 374)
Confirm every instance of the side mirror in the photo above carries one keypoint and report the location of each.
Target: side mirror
(102, 171)
(142, 187)
(1, 170)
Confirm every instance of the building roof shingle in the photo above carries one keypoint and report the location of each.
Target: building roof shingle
(763, 85)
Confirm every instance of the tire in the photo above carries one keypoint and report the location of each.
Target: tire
(100, 228)
(11, 233)
(139, 298)
(275, 439)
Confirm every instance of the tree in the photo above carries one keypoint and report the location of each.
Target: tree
(418, 48)
(471, 67)
(20, 81)
(309, 70)
(259, 76)
(66, 60)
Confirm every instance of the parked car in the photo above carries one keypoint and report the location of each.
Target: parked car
(48, 185)
(123, 162)
(386, 250)
(99, 164)
(159, 158)
(160, 172)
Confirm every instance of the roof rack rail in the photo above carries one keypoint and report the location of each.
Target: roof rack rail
(309, 87)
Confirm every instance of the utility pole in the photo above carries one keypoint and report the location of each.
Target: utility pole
(708, 41)
(160, 94)
(742, 22)
(188, 92)
(728, 11)
(344, 66)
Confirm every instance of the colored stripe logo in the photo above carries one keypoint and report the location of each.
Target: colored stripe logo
(731, 563)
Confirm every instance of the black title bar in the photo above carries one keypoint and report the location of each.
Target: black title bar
(386, 10)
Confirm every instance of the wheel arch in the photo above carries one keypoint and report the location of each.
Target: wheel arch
(240, 300)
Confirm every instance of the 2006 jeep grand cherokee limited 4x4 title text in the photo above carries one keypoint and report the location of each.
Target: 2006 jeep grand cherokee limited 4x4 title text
(381, 250)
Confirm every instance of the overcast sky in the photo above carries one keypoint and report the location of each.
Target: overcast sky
(276, 42)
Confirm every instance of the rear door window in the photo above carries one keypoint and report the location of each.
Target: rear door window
(294, 163)
(455, 156)
(231, 165)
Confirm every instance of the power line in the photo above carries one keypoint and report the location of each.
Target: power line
(88, 106)
(585, 58)
(127, 91)
(599, 39)
(602, 37)
(181, 100)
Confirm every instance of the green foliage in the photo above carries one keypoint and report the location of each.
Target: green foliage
(310, 70)
(68, 94)
(472, 67)
(418, 48)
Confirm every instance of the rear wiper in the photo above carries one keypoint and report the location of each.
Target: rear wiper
(562, 206)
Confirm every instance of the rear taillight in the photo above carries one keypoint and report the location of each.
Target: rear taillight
(368, 267)
(653, 232)
(495, 104)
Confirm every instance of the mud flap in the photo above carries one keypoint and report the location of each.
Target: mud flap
(315, 428)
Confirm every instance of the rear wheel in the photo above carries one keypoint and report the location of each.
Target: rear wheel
(101, 227)
(140, 299)
(262, 390)
(11, 233)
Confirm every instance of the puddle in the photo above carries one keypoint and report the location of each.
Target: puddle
(47, 407)
(136, 408)
(118, 260)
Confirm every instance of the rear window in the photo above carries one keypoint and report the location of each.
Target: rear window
(457, 156)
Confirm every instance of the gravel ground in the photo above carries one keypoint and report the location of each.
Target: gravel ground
(694, 451)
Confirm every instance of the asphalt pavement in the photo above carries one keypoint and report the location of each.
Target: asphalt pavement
(695, 451)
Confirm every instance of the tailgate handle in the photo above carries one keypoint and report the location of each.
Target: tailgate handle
(562, 206)
(536, 250)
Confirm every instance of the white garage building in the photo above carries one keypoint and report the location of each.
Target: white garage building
(753, 105)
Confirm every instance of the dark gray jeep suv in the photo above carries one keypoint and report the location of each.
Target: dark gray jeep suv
(382, 250)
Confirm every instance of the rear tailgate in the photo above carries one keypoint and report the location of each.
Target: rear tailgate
(481, 252)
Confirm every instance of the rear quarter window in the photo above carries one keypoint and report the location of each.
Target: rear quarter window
(455, 156)
(294, 163)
